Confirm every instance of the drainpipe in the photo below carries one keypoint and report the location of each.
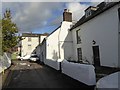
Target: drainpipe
(59, 49)
(59, 54)
(39, 46)
(39, 38)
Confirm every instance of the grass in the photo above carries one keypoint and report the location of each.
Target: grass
(14, 56)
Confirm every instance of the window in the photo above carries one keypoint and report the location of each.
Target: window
(78, 36)
(29, 46)
(79, 52)
(29, 39)
(119, 13)
(88, 13)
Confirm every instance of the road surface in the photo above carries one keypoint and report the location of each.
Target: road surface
(24, 74)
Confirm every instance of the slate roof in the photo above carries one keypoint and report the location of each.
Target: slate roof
(33, 35)
(101, 8)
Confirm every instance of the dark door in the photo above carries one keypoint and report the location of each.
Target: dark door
(96, 56)
(119, 13)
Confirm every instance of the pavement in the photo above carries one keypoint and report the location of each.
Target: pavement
(24, 74)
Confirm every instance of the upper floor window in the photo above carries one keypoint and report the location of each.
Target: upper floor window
(88, 13)
(29, 39)
(78, 37)
(90, 10)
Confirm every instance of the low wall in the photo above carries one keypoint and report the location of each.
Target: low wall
(81, 72)
(53, 64)
(110, 81)
(5, 61)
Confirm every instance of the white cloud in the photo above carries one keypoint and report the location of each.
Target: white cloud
(52, 0)
(32, 15)
(96, 2)
(77, 9)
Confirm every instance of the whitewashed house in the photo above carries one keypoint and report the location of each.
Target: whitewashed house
(96, 36)
(42, 52)
(30, 42)
(59, 42)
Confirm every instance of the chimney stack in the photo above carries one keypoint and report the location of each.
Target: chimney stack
(67, 16)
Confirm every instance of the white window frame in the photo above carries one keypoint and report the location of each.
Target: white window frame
(78, 37)
(79, 54)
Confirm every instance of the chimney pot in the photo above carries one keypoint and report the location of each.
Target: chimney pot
(65, 10)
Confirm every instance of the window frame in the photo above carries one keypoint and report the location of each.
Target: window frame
(88, 13)
(79, 54)
(29, 39)
(119, 14)
(78, 38)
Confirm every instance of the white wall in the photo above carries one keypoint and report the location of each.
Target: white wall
(104, 30)
(34, 43)
(65, 40)
(75, 45)
(5, 61)
(119, 41)
(80, 72)
(52, 63)
(58, 41)
(59, 45)
(109, 81)
(52, 46)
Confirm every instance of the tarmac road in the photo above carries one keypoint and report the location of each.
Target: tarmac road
(24, 74)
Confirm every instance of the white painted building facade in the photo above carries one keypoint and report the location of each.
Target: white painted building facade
(99, 35)
(59, 42)
(42, 52)
(30, 42)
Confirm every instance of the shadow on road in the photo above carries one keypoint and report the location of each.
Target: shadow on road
(33, 75)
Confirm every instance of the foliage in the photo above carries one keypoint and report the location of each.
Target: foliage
(14, 56)
(9, 31)
(0, 37)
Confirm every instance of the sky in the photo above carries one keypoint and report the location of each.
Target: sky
(42, 17)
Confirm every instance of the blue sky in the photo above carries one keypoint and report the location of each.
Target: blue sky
(42, 17)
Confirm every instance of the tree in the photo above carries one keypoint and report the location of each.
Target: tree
(9, 30)
(0, 37)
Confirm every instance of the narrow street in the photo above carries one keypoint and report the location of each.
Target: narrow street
(24, 74)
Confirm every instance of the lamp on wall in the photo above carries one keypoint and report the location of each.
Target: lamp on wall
(94, 42)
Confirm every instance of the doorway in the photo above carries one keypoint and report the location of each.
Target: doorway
(96, 56)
